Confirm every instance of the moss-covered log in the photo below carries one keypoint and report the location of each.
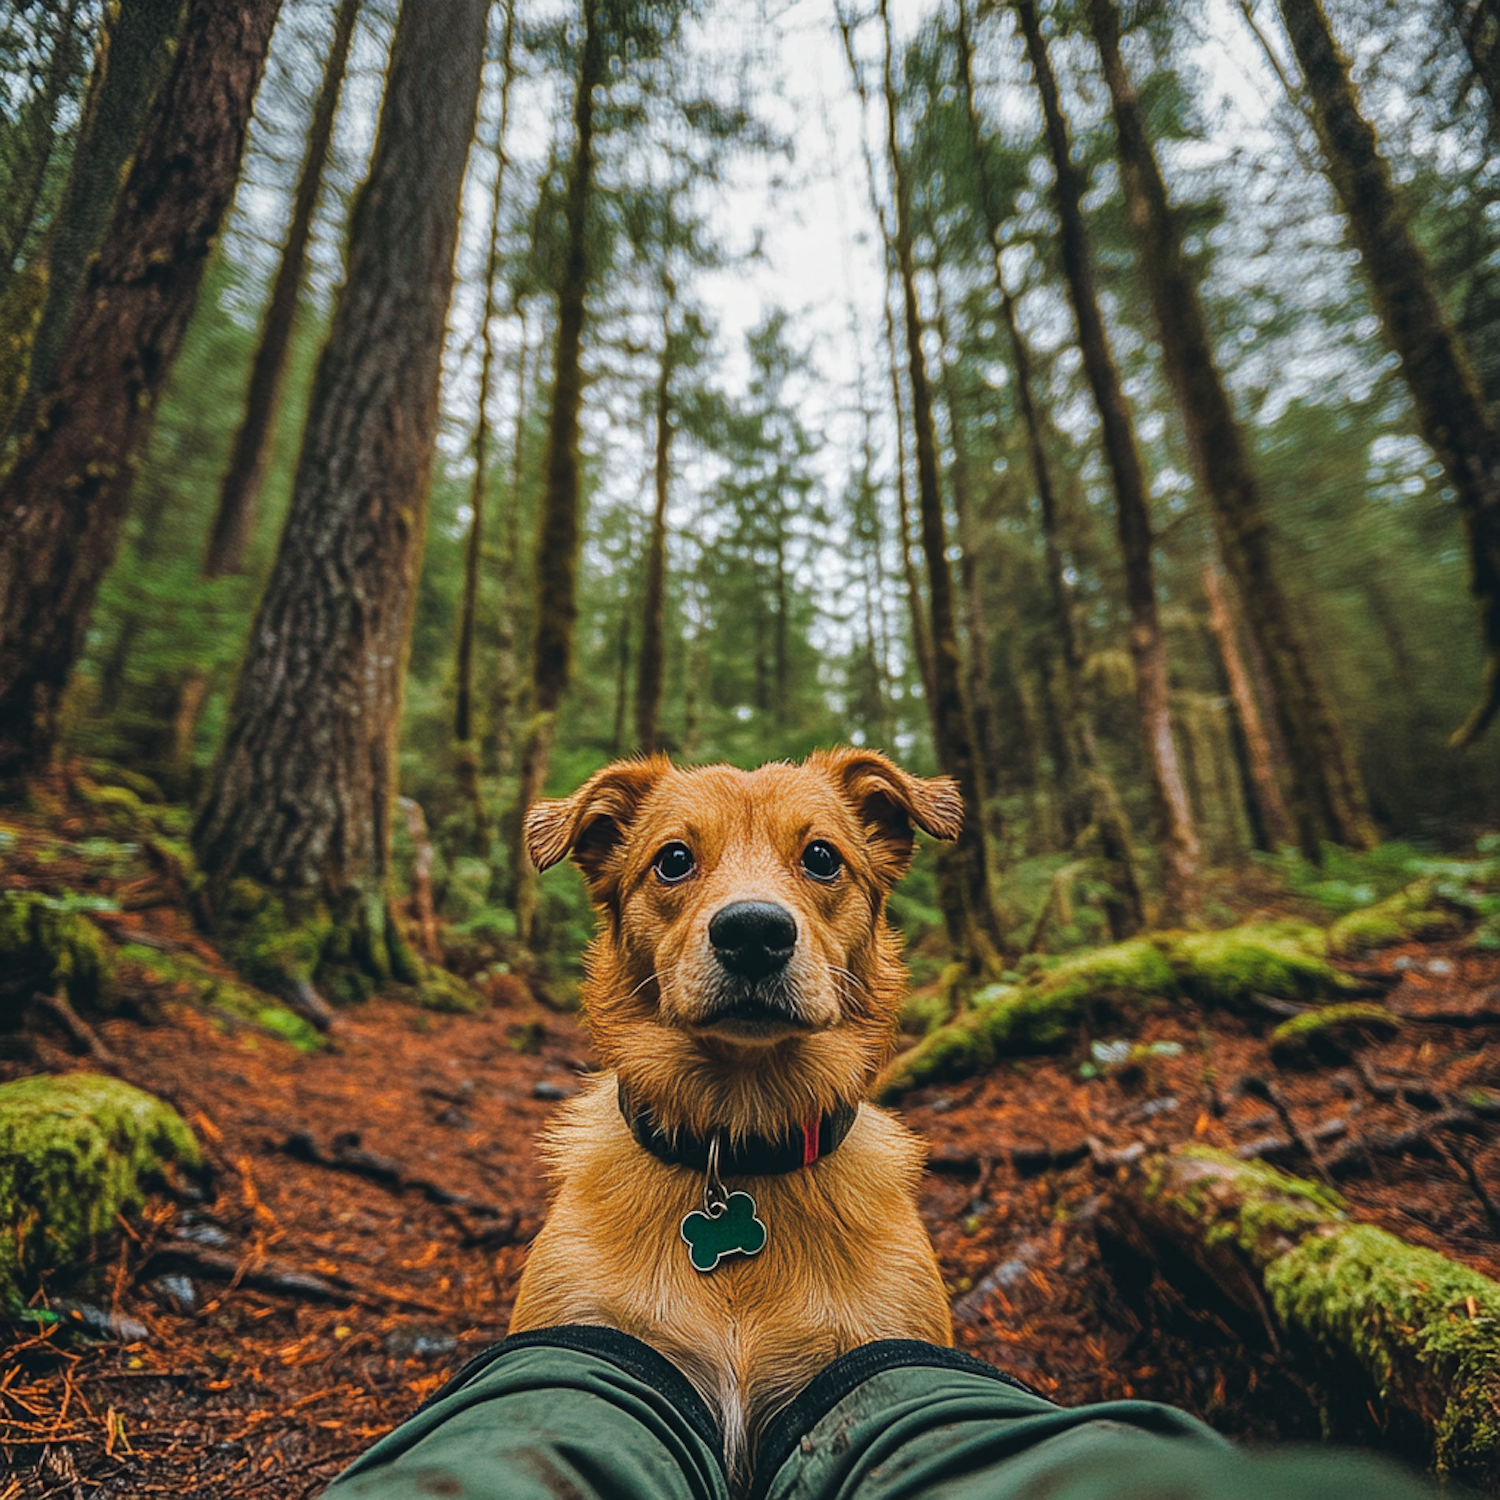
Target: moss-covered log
(1326, 1031)
(1416, 912)
(1283, 959)
(75, 1151)
(1423, 1330)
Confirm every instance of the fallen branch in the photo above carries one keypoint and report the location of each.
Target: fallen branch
(348, 1155)
(78, 1029)
(1425, 1330)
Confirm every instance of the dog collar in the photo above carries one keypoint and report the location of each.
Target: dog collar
(751, 1156)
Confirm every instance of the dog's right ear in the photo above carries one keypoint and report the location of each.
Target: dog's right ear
(590, 825)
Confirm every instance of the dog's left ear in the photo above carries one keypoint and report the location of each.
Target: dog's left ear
(891, 802)
(590, 825)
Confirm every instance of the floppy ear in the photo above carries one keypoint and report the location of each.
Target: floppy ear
(890, 802)
(591, 824)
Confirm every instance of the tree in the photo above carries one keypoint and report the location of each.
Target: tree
(952, 717)
(1179, 840)
(132, 63)
(247, 463)
(64, 498)
(1450, 407)
(301, 796)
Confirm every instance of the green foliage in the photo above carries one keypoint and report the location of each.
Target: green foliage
(75, 1151)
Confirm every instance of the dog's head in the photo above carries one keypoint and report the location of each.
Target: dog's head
(744, 974)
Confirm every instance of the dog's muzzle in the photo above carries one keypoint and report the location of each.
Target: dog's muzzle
(752, 942)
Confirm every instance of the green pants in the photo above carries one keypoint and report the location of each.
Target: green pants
(581, 1413)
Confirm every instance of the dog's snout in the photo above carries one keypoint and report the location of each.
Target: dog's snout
(753, 939)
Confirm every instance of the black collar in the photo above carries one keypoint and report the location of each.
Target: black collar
(752, 1156)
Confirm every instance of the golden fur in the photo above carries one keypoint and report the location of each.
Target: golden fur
(847, 1259)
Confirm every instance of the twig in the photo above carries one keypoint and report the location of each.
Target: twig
(1265, 1088)
(78, 1029)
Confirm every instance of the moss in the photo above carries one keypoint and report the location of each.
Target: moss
(1329, 1026)
(46, 941)
(189, 979)
(1424, 1328)
(1284, 959)
(74, 1152)
(1409, 914)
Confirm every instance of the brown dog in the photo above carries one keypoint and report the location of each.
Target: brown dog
(743, 991)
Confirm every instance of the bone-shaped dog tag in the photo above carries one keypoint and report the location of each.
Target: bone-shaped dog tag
(733, 1230)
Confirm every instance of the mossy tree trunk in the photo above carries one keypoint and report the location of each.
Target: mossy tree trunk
(302, 792)
(1419, 1328)
(560, 529)
(1450, 407)
(952, 716)
(1179, 840)
(63, 502)
(465, 734)
(132, 63)
(240, 487)
(1328, 796)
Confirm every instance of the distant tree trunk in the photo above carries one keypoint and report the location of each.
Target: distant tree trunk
(504, 699)
(302, 793)
(952, 719)
(1180, 853)
(1269, 801)
(780, 660)
(1328, 797)
(63, 501)
(133, 60)
(622, 681)
(240, 487)
(464, 734)
(1450, 408)
(649, 670)
(559, 532)
(1478, 23)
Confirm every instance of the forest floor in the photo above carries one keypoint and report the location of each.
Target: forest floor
(371, 1204)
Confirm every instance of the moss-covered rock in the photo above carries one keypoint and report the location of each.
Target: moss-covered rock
(1328, 1030)
(1283, 959)
(47, 941)
(1413, 913)
(1423, 1329)
(75, 1151)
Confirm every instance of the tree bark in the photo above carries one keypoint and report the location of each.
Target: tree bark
(1450, 407)
(560, 530)
(133, 61)
(240, 487)
(1180, 853)
(464, 734)
(1328, 797)
(302, 793)
(952, 719)
(64, 499)
(504, 698)
(649, 671)
(1478, 23)
(1269, 801)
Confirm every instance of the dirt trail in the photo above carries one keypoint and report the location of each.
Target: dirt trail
(249, 1392)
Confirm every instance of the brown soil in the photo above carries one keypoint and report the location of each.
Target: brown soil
(250, 1392)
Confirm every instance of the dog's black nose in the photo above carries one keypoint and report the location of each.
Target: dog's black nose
(752, 938)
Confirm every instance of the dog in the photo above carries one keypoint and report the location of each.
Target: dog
(723, 1192)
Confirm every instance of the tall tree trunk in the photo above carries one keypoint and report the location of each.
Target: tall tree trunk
(1478, 23)
(134, 60)
(1270, 803)
(240, 487)
(302, 793)
(1450, 407)
(1328, 798)
(464, 733)
(63, 501)
(952, 719)
(649, 671)
(560, 530)
(1180, 853)
(504, 699)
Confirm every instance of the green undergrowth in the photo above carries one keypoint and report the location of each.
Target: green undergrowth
(47, 942)
(1282, 959)
(75, 1151)
(1424, 1329)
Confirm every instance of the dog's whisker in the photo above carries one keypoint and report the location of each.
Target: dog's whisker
(642, 985)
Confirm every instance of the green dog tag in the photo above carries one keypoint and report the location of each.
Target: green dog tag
(734, 1230)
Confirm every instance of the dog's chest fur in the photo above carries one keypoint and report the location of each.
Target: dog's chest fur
(846, 1261)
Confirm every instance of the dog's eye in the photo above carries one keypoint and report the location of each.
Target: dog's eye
(675, 863)
(822, 861)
